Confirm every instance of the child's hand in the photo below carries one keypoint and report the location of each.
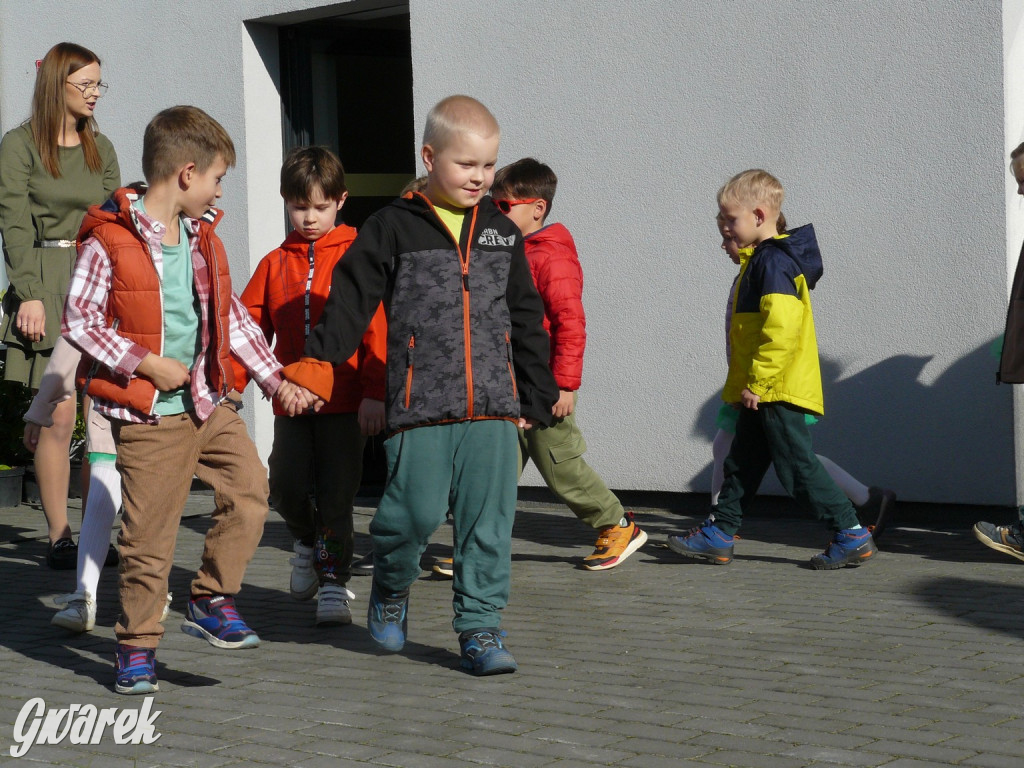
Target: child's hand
(166, 373)
(749, 400)
(565, 405)
(31, 438)
(527, 423)
(371, 416)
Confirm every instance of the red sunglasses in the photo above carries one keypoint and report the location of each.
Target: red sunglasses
(505, 206)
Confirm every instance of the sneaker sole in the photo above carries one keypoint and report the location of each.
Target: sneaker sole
(306, 594)
(504, 666)
(710, 557)
(189, 628)
(390, 644)
(143, 686)
(72, 625)
(634, 545)
(853, 562)
(333, 621)
(445, 571)
(996, 545)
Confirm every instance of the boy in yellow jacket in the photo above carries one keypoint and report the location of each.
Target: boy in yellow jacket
(775, 379)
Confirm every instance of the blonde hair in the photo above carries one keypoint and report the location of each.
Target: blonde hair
(458, 114)
(49, 106)
(753, 187)
(181, 135)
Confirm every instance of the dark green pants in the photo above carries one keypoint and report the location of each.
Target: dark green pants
(777, 433)
(468, 468)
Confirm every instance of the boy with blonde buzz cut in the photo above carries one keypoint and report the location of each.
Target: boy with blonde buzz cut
(774, 377)
(524, 192)
(150, 300)
(467, 360)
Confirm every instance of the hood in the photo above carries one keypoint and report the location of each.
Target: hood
(552, 233)
(297, 244)
(802, 246)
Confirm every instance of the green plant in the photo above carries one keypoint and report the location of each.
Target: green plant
(15, 399)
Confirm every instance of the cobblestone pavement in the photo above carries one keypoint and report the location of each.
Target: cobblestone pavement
(911, 660)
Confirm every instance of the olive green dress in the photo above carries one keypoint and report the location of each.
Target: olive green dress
(35, 206)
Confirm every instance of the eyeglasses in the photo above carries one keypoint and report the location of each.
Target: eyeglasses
(505, 206)
(100, 88)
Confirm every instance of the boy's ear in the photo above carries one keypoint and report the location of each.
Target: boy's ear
(760, 216)
(342, 199)
(185, 175)
(540, 210)
(427, 156)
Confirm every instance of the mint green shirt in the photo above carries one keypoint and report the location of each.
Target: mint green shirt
(181, 316)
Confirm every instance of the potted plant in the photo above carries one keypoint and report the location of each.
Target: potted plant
(14, 401)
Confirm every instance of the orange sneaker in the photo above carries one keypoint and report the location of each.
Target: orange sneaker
(614, 544)
(444, 567)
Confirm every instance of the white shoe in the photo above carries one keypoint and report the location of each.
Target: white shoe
(304, 582)
(332, 608)
(79, 615)
(166, 610)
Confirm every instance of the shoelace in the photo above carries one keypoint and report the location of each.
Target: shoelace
(391, 613)
(72, 598)
(486, 640)
(133, 660)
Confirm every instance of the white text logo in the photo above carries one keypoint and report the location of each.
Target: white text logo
(82, 724)
(491, 237)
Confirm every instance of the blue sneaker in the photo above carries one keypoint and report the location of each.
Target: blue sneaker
(387, 618)
(136, 670)
(484, 654)
(706, 541)
(216, 620)
(850, 546)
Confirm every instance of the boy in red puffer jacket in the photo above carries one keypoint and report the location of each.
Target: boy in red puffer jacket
(316, 462)
(523, 191)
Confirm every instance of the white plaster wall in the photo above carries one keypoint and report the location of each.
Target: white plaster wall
(886, 122)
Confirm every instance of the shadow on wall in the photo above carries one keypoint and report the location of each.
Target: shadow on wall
(950, 441)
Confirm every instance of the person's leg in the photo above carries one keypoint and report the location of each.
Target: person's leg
(557, 452)
(799, 470)
(719, 450)
(53, 469)
(744, 468)
(291, 487)
(101, 507)
(854, 489)
(154, 499)
(338, 461)
(483, 507)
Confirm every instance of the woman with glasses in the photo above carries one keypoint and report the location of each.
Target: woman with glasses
(52, 168)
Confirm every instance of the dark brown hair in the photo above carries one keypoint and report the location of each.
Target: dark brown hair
(306, 168)
(524, 179)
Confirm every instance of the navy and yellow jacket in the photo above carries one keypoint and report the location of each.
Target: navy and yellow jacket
(774, 347)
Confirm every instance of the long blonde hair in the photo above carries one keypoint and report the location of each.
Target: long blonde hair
(49, 107)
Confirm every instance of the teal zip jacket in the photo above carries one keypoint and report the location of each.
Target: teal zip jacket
(774, 347)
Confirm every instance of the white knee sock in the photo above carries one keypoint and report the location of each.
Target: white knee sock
(851, 486)
(719, 450)
(100, 509)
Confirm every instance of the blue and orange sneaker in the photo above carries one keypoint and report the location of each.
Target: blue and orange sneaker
(707, 541)
(216, 620)
(136, 670)
(849, 547)
(387, 617)
(483, 653)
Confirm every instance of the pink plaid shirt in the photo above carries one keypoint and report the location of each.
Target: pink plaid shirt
(85, 324)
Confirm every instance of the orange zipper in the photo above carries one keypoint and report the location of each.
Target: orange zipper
(408, 370)
(511, 371)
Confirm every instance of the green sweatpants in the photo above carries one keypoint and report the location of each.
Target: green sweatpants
(557, 451)
(468, 468)
(777, 433)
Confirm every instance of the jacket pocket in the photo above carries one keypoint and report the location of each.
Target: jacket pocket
(511, 367)
(410, 355)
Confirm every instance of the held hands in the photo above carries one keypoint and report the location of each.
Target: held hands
(297, 400)
(749, 400)
(31, 438)
(526, 423)
(371, 416)
(31, 320)
(166, 373)
(566, 404)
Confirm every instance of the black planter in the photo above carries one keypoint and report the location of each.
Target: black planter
(10, 487)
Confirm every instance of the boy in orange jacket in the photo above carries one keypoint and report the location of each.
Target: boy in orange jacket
(317, 458)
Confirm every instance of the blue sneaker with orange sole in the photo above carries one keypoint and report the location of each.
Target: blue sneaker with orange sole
(707, 542)
(216, 620)
(849, 547)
